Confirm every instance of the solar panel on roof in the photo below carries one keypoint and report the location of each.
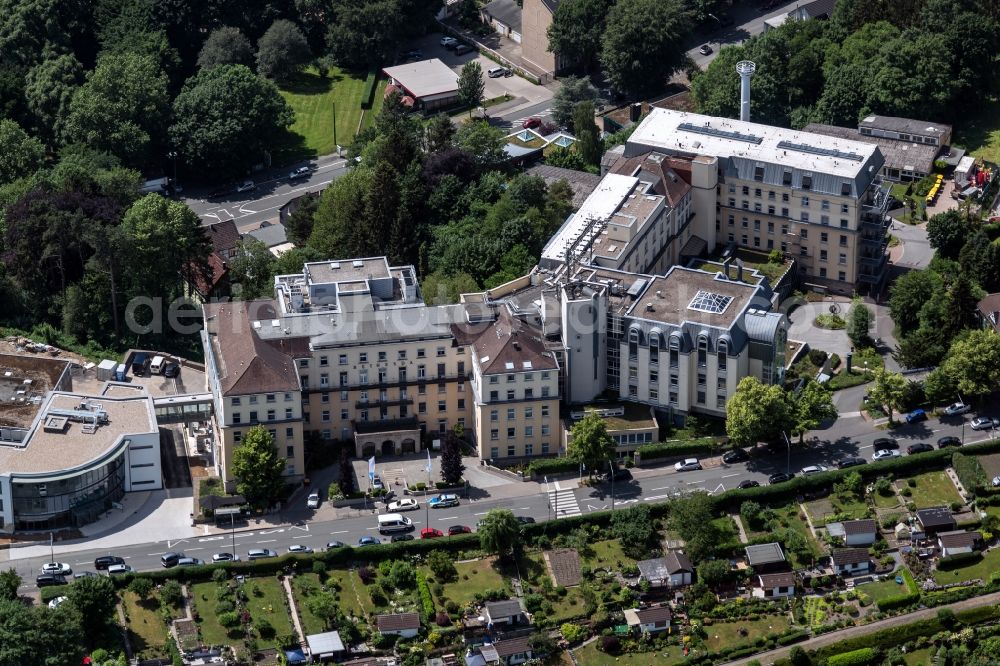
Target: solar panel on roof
(706, 301)
(721, 133)
(816, 150)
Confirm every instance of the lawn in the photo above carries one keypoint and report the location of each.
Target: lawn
(979, 133)
(353, 595)
(982, 569)
(608, 554)
(147, 632)
(836, 508)
(266, 601)
(313, 99)
(475, 576)
(589, 655)
(919, 658)
(212, 633)
(933, 489)
(306, 586)
(727, 634)
(788, 517)
(885, 501)
(882, 589)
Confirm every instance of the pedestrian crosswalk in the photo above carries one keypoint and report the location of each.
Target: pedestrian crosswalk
(540, 114)
(562, 501)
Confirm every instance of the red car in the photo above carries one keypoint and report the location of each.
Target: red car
(458, 529)
(531, 123)
(430, 533)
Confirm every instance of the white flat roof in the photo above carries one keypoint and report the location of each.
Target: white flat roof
(601, 204)
(695, 134)
(425, 77)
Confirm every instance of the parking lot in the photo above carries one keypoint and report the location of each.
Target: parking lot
(515, 86)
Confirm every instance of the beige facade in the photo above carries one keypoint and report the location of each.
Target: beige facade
(536, 17)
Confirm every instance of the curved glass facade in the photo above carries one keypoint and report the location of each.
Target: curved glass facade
(69, 502)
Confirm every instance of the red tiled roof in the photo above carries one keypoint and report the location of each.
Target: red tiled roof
(507, 345)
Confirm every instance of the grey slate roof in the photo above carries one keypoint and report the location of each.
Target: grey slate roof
(506, 12)
(503, 609)
(906, 125)
(866, 526)
(765, 553)
(820, 8)
(938, 516)
(270, 235)
(898, 154)
(583, 183)
(842, 556)
(661, 568)
(768, 581)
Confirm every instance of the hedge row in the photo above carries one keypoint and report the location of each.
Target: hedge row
(889, 637)
(898, 601)
(793, 637)
(544, 466)
(368, 92)
(959, 560)
(860, 657)
(679, 448)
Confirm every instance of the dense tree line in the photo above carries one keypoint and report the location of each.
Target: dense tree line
(928, 59)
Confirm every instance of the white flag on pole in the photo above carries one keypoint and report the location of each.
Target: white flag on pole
(371, 468)
(429, 467)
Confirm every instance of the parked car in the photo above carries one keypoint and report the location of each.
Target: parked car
(459, 529)
(299, 548)
(813, 469)
(448, 42)
(443, 501)
(171, 370)
(749, 483)
(525, 520)
(620, 474)
(314, 500)
(851, 462)
(170, 559)
(225, 557)
(333, 545)
(984, 423)
(59, 568)
(55, 603)
(531, 123)
(246, 186)
(401, 537)
(687, 465)
(184, 562)
(885, 454)
(122, 569)
(301, 172)
(705, 49)
(430, 533)
(735, 456)
(405, 504)
(919, 447)
(950, 440)
(956, 408)
(413, 54)
(103, 562)
(368, 541)
(462, 49)
(885, 444)
(260, 554)
(498, 72)
(84, 574)
(779, 477)
(45, 580)
(916, 416)
(377, 483)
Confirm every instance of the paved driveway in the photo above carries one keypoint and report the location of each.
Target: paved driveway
(914, 250)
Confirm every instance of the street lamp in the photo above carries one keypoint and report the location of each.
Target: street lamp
(788, 464)
(611, 471)
(173, 156)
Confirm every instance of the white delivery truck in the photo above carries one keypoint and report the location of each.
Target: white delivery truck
(156, 367)
(394, 522)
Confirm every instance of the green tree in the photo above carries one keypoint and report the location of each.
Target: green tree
(757, 412)
(225, 118)
(20, 154)
(226, 46)
(282, 51)
(714, 572)
(482, 140)
(499, 533)
(691, 519)
(470, 85)
(588, 140)
(635, 529)
(252, 269)
(947, 232)
(887, 390)
(95, 598)
(858, 323)
(439, 288)
(299, 225)
(363, 33)
(439, 134)
(451, 457)
(441, 565)
(939, 387)
(960, 306)
(122, 107)
(141, 587)
(972, 364)
(908, 294)
(9, 582)
(324, 607)
(49, 89)
(590, 443)
(258, 468)
(341, 205)
(812, 405)
(643, 43)
(576, 29)
(574, 89)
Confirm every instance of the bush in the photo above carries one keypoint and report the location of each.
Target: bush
(368, 92)
(545, 466)
(573, 632)
(229, 620)
(860, 657)
(610, 644)
(817, 357)
(959, 560)
(969, 471)
(426, 600)
(792, 637)
(264, 628)
(830, 321)
(678, 449)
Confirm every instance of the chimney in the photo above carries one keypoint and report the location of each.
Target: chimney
(725, 266)
(739, 270)
(745, 69)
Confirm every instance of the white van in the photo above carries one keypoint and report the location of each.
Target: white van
(394, 522)
(156, 367)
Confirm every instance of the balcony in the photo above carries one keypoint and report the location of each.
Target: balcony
(873, 213)
(390, 402)
(388, 383)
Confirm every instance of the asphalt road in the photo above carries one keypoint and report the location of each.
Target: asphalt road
(849, 437)
(748, 21)
(274, 190)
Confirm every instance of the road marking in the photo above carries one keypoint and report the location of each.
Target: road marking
(693, 483)
(267, 541)
(451, 518)
(524, 508)
(726, 476)
(155, 554)
(663, 488)
(189, 549)
(340, 532)
(481, 513)
(591, 507)
(656, 497)
(371, 528)
(301, 536)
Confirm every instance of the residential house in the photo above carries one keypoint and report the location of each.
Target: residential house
(672, 570)
(988, 310)
(959, 541)
(766, 557)
(504, 16)
(427, 84)
(406, 625)
(325, 646)
(935, 520)
(774, 586)
(508, 652)
(649, 620)
(223, 237)
(536, 17)
(506, 613)
(854, 532)
(851, 561)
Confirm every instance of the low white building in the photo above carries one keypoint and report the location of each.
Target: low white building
(774, 586)
(854, 532)
(406, 625)
(649, 620)
(672, 570)
(851, 561)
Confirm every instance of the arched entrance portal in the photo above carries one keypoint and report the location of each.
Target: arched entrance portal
(368, 449)
(409, 446)
(386, 437)
(388, 447)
